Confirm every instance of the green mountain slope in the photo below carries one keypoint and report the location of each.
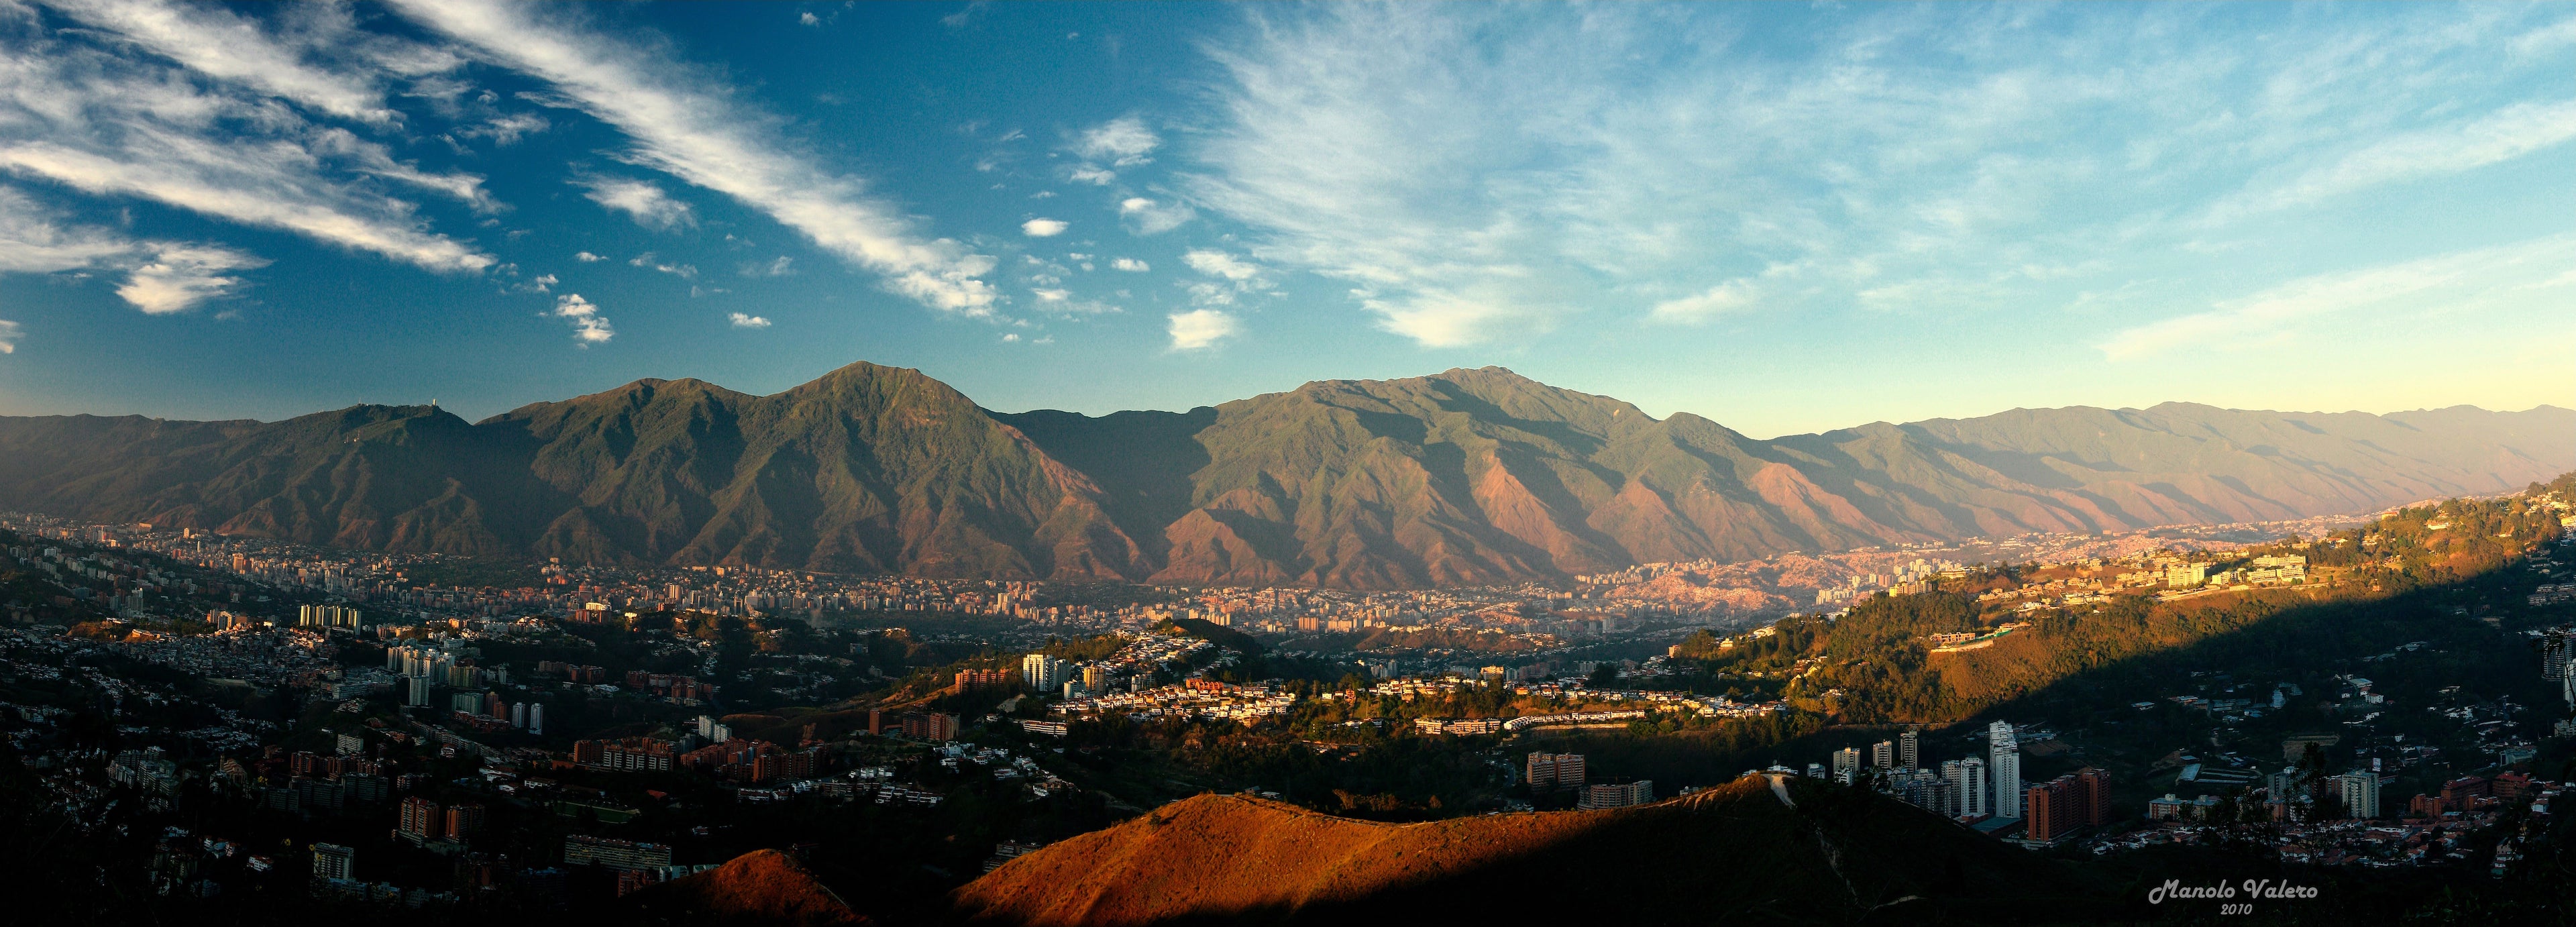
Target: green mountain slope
(1461, 478)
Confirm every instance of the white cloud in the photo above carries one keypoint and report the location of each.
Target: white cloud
(1724, 298)
(2505, 134)
(31, 242)
(704, 135)
(226, 47)
(1200, 328)
(2530, 273)
(1220, 264)
(1084, 173)
(1149, 217)
(1479, 173)
(959, 19)
(781, 267)
(642, 200)
(161, 277)
(809, 19)
(1044, 228)
(181, 276)
(588, 326)
(250, 197)
(1130, 265)
(125, 127)
(646, 261)
(1119, 143)
(9, 335)
(372, 160)
(741, 320)
(1051, 296)
(588, 258)
(506, 130)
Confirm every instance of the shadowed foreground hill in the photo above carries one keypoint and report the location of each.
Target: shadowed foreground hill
(1736, 854)
(761, 887)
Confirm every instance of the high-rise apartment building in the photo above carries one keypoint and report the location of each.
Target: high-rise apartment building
(1909, 752)
(1619, 795)
(1847, 765)
(1882, 755)
(1044, 673)
(419, 820)
(326, 616)
(1976, 796)
(929, 726)
(1548, 771)
(2093, 796)
(333, 861)
(464, 820)
(2359, 790)
(2557, 654)
(2003, 766)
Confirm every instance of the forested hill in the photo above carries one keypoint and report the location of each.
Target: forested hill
(1460, 478)
(2367, 589)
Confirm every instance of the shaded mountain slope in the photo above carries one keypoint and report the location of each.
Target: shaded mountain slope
(365, 477)
(1467, 477)
(1734, 854)
(866, 469)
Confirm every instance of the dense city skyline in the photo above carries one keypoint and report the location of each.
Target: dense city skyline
(1775, 218)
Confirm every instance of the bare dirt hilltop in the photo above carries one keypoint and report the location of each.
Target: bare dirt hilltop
(761, 887)
(1744, 853)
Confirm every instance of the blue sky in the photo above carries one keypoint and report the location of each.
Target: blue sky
(1784, 218)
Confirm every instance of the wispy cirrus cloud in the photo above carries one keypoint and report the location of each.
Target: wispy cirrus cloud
(1485, 173)
(226, 47)
(223, 143)
(160, 277)
(700, 132)
(2524, 277)
(1109, 147)
(2500, 135)
(648, 261)
(32, 241)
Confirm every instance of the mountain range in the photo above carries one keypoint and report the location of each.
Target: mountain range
(1468, 477)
